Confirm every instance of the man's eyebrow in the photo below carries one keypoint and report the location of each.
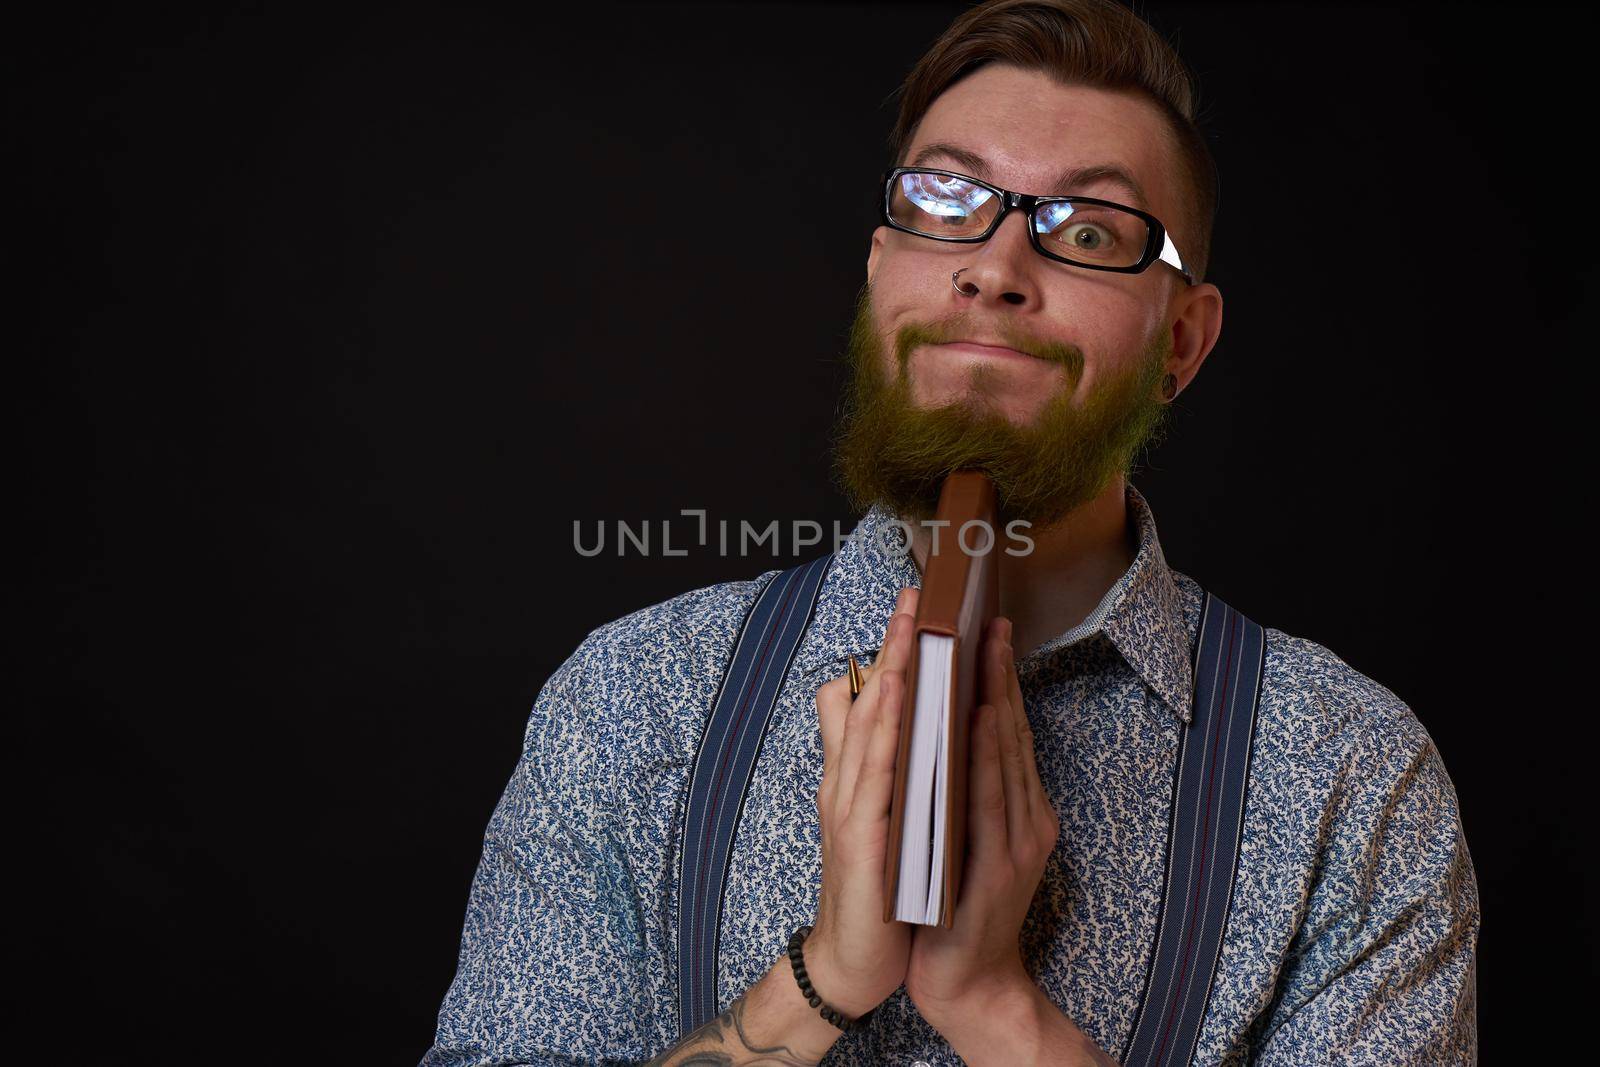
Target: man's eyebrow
(1068, 180)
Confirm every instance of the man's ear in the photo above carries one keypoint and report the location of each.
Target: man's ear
(1196, 325)
(875, 250)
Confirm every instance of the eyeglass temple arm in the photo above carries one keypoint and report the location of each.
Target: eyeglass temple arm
(1169, 255)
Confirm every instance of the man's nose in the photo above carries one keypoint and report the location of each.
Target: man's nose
(1000, 270)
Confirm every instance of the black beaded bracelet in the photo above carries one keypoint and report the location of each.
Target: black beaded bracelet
(798, 962)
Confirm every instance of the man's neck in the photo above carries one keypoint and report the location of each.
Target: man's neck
(1063, 579)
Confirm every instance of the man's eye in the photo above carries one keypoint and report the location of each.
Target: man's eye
(947, 209)
(1089, 237)
(939, 195)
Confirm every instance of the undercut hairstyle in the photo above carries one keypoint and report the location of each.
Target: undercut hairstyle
(1094, 43)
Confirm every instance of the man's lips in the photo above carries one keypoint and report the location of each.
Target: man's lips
(995, 351)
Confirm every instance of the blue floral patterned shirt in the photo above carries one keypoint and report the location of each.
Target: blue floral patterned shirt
(1353, 930)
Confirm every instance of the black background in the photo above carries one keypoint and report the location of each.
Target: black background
(336, 323)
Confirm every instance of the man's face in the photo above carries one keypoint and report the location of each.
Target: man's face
(1054, 423)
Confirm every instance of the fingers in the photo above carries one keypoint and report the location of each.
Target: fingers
(866, 711)
(896, 652)
(870, 801)
(986, 804)
(998, 669)
(1039, 800)
(833, 706)
(1041, 811)
(846, 724)
(860, 728)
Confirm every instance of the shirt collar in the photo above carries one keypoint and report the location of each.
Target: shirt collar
(1142, 614)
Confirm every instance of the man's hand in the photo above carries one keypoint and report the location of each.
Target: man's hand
(975, 969)
(854, 958)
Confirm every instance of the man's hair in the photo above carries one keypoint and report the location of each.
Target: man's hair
(1095, 43)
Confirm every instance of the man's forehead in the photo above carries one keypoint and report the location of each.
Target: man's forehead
(1021, 130)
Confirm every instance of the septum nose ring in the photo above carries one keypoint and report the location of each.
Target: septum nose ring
(955, 280)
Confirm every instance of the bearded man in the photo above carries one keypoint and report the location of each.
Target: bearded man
(1037, 336)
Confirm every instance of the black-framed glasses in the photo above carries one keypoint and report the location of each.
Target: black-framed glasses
(1080, 230)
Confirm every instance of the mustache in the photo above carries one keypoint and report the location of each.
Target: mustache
(912, 335)
(891, 451)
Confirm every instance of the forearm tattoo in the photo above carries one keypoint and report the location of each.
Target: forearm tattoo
(722, 1042)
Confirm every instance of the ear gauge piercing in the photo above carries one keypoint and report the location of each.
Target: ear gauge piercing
(1169, 387)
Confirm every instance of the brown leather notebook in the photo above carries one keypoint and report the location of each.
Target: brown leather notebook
(928, 812)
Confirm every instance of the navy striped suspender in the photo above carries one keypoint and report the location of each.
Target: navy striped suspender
(1207, 818)
(722, 769)
(1203, 844)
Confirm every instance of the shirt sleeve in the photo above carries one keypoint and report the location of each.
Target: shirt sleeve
(550, 969)
(1384, 971)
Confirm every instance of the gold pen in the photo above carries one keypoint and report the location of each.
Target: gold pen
(855, 679)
